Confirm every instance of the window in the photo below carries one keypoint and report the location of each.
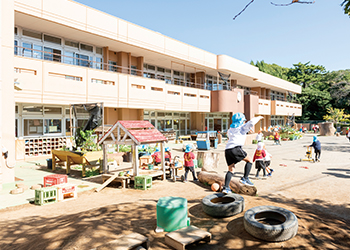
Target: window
(98, 63)
(33, 127)
(52, 54)
(53, 110)
(32, 34)
(82, 60)
(133, 70)
(52, 39)
(72, 44)
(99, 50)
(32, 110)
(16, 48)
(27, 49)
(69, 57)
(157, 89)
(37, 51)
(112, 66)
(86, 47)
(52, 126)
(15, 30)
(106, 82)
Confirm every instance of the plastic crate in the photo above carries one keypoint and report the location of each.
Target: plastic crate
(54, 179)
(45, 195)
(143, 182)
(66, 192)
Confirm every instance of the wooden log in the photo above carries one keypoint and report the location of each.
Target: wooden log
(235, 185)
(208, 161)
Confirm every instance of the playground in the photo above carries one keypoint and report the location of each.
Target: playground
(317, 193)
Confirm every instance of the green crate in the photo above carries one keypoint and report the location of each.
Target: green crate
(45, 195)
(143, 182)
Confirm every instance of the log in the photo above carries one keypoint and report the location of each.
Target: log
(326, 128)
(235, 185)
(208, 161)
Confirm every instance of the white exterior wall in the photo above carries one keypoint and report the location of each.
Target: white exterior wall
(7, 102)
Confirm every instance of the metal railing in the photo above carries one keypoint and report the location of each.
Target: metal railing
(56, 57)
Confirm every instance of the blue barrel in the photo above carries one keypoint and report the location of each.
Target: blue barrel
(172, 213)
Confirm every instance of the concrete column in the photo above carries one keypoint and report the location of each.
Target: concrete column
(7, 100)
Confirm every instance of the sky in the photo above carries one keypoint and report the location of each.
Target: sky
(318, 33)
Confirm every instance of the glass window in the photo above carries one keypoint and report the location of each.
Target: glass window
(86, 47)
(32, 34)
(53, 110)
(33, 127)
(67, 126)
(133, 70)
(98, 63)
(37, 51)
(32, 110)
(52, 39)
(15, 30)
(16, 48)
(112, 66)
(99, 50)
(160, 114)
(52, 54)
(83, 60)
(52, 126)
(176, 125)
(16, 109)
(71, 44)
(82, 122)
(168, 124)
(27, 49)
(69, 57)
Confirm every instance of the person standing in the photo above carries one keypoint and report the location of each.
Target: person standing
(316, 144)
(259, 156)
(234, 153)
(188, 163)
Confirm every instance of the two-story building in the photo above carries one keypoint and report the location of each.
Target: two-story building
(58, 52)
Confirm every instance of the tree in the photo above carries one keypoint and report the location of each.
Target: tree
(346, 4)
(306, 74)
(272, 69)
(335, 115)
(340, 89)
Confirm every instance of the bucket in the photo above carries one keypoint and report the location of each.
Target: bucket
(49, 163)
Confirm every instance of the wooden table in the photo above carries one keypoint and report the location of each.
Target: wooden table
(70, 158)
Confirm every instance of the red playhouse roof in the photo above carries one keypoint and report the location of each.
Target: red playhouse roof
(141, 132)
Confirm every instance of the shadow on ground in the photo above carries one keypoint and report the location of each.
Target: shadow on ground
(89, 229)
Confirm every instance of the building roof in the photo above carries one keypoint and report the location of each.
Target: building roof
(139, 132)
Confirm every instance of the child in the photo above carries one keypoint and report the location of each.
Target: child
(234, 153)
(267, 161)
(167, 155)
(259, 156)
(316, 144)
(157, 157)
(277, 137)
(188, 163)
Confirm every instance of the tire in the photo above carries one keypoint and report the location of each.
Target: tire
(281, 225)
(221, 205)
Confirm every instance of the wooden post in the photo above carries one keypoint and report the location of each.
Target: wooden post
(105, 156)
(67, 165)
(136, 160)
(53, 162)
(163, 159)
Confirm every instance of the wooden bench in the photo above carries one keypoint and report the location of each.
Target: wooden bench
(126, 242)
(180, 238)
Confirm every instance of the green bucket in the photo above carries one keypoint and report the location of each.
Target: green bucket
(172, 213)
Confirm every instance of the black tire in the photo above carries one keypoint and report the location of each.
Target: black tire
(221, 205)
(281, 224)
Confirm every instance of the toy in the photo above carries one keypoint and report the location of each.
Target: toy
(215, 187)
(308, 155)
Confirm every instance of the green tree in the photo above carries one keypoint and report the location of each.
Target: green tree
(335, 115)
(346, 5)
(272, 69)
(306, 74)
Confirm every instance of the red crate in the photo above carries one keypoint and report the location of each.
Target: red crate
(54, 179)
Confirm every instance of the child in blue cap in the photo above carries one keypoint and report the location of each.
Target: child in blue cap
(234, 153)
(188, 163)
(316, 144)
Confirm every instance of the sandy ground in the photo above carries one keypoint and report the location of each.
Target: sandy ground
(317, 193)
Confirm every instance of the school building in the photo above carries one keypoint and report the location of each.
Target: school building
(59, 52)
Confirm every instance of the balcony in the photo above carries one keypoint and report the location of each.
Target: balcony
(54, 82)
(264, 107)
(285, 108)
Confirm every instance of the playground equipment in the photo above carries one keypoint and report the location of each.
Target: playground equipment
(308, 155)
(207, 139)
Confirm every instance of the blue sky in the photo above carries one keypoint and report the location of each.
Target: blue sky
(319, 33)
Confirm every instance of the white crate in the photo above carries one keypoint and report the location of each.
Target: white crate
(66, 192)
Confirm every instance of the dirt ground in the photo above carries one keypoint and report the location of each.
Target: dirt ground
(317, 193)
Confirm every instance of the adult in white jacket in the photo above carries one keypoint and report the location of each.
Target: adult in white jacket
(234, 153)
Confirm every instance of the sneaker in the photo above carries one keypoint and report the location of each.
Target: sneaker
(195, 180)
(248, 182)
(272, 170)
(269, 174)
(243, 181)
(257, 177)
(264, 177)
(226, 190)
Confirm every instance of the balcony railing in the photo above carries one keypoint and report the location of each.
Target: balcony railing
(278, 98)
(55, 57)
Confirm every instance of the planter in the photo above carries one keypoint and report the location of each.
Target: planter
(285, 139)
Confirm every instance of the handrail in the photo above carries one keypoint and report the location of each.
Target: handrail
(45, 55)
